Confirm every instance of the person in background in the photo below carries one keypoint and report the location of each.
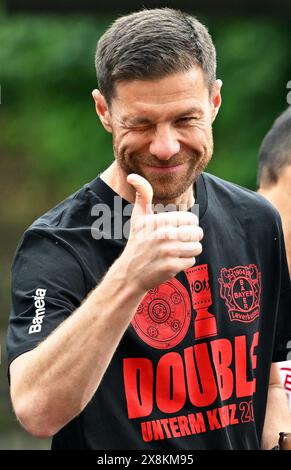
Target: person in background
(274, 183)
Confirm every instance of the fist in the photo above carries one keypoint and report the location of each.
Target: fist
(159, 245)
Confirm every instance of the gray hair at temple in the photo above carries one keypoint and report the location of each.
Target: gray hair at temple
(151, 44)
(275, 151)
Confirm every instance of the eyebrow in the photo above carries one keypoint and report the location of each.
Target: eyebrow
(143, 120)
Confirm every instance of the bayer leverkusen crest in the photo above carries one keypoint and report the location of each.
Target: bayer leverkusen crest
(240, 287)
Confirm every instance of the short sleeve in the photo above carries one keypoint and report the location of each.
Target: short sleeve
(283, 327)
(47, 286)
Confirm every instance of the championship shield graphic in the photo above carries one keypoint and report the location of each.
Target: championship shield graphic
(163, 317)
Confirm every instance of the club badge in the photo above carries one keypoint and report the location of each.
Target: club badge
(240, 287)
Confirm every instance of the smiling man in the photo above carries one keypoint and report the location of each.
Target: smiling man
(161, 131)
(163, 339)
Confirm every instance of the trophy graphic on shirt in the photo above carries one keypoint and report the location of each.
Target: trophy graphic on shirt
(205, 322)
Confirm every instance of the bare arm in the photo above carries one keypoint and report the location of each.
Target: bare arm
(278, 416)
(52, 384)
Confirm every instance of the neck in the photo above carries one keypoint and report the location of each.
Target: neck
(115, 177)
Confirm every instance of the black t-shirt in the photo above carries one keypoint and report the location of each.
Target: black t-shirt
(192, 369)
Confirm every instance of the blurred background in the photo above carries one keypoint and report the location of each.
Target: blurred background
(51, 142)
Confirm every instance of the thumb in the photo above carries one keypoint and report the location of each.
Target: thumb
(144, 194)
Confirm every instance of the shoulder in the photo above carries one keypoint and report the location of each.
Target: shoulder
(74, 210)
(62, 228)
(239, 199)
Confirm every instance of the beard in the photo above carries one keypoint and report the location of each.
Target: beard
(167, 187)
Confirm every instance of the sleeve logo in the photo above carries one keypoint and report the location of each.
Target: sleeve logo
(39, 304)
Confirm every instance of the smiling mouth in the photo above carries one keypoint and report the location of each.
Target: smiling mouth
(166, 169)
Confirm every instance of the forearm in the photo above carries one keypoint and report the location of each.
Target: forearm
(60, 376)
(53, 383)
(278, 416)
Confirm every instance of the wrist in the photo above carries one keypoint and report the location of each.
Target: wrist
(126, 278)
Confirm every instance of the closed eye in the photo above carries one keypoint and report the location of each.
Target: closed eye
(136, 127)
(187, 120)
(143, 128)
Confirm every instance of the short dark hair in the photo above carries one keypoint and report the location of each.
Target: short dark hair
(275, 151)
(153, 43)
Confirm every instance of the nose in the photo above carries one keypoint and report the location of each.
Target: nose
(164, 144)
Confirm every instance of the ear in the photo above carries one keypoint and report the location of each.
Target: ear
(102, 110)
(216, 98)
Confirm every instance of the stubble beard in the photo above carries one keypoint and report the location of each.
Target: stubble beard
(169, 186)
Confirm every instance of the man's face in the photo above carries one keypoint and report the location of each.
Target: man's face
(162, 130)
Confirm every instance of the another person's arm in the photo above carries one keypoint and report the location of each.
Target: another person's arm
(278, 416)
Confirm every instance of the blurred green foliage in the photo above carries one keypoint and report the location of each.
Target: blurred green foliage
(47, 115)
(51, 142)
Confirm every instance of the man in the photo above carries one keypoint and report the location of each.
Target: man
(274, 182)
(159, 339)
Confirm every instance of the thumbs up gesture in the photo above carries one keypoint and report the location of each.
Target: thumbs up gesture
(143, 195)
(159, 245)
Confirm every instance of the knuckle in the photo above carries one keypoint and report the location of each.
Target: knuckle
(198, 248)
(189, 262)
(160, 234)
(200, 233)
(197, 234)
(170, 267)
(170, 233)
(194, 218)
(186, 233)
(166, 251)
(189, 218)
